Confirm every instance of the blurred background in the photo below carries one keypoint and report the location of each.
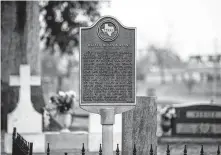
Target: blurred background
(178, 51)
(178, 48)
(178, 45)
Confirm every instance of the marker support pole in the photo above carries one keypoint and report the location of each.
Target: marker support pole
(107, 121)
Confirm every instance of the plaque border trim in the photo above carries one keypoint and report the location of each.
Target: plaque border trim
(135, 56)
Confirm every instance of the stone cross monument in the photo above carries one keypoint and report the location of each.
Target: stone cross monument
(25, 118)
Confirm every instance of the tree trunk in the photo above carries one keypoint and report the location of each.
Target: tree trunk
(160, 60)
(162, 75)
(19, 45)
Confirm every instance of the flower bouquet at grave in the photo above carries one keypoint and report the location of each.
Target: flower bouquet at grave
(62, 108)
(63, 101)
(167, 114)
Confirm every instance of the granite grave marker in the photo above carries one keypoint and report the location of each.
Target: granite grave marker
(197, 120)
(139, 126)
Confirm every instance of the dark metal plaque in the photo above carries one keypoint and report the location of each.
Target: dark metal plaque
(107, 64)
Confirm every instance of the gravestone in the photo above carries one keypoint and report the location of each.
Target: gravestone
(195, 123)
(107, 73)
(139, 127)
(27, 121)
(197, 120)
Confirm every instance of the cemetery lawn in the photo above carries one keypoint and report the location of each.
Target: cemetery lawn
(166, 94)
(178, 92)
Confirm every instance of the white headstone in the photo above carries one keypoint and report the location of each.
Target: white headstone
(27, 121)
(95, 132)
(24, 117)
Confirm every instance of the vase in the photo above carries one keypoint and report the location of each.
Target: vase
(165, 124)
(67, 120)
(165, 128)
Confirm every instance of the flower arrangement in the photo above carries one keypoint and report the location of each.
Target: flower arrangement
(167, 114)
(63, 101)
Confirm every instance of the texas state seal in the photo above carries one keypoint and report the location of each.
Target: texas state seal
(108, 30)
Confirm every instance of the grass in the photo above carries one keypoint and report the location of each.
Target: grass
(178, 91)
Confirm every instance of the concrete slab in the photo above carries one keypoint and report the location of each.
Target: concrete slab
(95, 139)
(38, 140)
(66, 141)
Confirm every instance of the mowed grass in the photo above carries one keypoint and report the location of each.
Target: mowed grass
(199, 90)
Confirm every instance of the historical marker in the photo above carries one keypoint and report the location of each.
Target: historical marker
(107, 64)
(107, 72)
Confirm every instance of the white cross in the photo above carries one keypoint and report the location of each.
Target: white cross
(24, 81)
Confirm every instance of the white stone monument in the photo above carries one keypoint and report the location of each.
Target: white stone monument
(27, 121)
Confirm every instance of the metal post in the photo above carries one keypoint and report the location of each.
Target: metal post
(107, 139)
(31, 149)
(13, 141)
(107, 121)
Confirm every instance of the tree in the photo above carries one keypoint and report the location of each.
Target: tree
(160, 57)
(165, 59)
(61, 21)
(19, 45)
(190, 82)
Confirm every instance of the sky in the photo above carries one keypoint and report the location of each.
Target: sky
(189, 27)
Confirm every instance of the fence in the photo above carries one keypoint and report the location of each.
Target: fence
(19, 145)
(151, 152)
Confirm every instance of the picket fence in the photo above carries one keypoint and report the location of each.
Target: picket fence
(21, 147)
